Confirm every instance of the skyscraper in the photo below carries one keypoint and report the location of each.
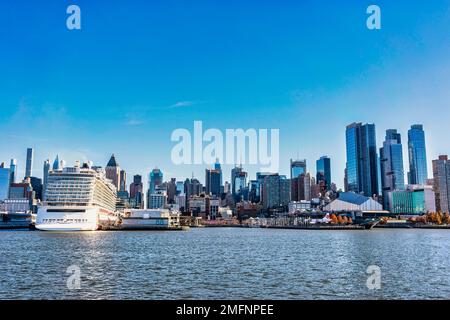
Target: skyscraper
(239, 187)
(137, 193)
(4, 182)
(297, 168)
(275, 191)
(391, 165)
(418, 172)
(123, 181)
(441, 180)
(13, 171)
(29, 165)
(155, 179)
(323, 173)
(113, 172)
(45, 176)
(212, 181)
(362, 167)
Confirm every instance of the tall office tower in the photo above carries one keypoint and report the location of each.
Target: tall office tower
(275, 191)
(113, 172)
(212, 181)
(171, 190)
(362, 167)
(391, 165)
(441, 180)
(45, 177)
(297, 168)
(418, 172)
(155, 179)
(239, 187)
(29, 165)
(123, 181)
(219, 168)
(323, 174)
(13, 171)
(4, 182)
(136, 186)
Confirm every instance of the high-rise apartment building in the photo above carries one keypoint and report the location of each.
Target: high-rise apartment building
(29, 163)
(441, 181)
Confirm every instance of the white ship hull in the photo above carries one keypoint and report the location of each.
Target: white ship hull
(73, 219)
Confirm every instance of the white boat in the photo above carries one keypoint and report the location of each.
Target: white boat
(77, 199)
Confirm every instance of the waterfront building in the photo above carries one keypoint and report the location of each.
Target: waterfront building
(213, 181)
(13, 171)
(414, 200)
(323, 174)
(4, 182)
(113, 172)
(361, 167)
(391, 165)
(352, 202)
(15, 206)
(418, 172)
(441, 183)
(77, 199)
(22, 190)
(150, 219)
(296, 207)
(29, 163)
(275, 191)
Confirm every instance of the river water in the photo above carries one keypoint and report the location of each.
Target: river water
(225, 263)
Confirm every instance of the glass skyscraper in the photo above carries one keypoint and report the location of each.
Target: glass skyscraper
(362, 168)
(418, 172)
(4, 182)
(391, 165)
(323, 172)
(29, 165)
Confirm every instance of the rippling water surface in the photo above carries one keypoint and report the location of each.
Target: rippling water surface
(226, 263)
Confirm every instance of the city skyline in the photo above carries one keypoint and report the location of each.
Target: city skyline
(311, 166)
(62, 96)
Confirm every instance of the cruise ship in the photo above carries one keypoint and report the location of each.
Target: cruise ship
(78, 198)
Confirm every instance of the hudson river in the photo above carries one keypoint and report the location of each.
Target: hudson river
(226, 263)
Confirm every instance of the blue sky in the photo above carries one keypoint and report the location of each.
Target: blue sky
(137, 70)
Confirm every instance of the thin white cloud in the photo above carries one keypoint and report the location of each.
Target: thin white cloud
(181, 104)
